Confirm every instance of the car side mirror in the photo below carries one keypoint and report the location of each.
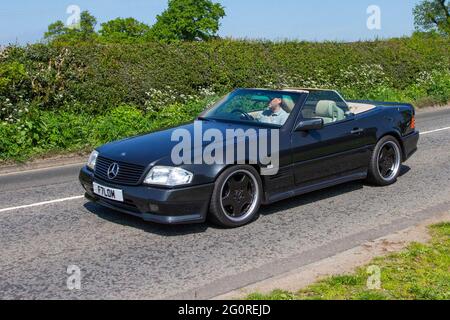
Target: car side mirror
(310, 124)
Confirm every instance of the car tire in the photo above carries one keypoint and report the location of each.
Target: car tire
(236, 198)
(386, 162)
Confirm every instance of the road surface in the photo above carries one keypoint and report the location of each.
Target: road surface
(47, 226)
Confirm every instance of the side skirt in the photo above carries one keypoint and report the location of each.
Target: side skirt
(316, 186)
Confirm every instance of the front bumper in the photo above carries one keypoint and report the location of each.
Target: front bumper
(410, 144)
(165, 206)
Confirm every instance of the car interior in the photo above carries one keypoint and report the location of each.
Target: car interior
(288, 104)
(324, 104)
(329, 111)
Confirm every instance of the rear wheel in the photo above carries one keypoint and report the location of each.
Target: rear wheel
(237, 197)
(386, 162)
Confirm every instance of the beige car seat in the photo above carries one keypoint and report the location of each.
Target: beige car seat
(288, 104)
(329, 111)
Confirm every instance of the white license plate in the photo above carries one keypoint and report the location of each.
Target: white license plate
(108, 193)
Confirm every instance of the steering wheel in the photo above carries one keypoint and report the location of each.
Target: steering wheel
(244, 114)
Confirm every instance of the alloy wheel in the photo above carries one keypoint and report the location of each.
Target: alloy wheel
(239, 195)
(389, 161)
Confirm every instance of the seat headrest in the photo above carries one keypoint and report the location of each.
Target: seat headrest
(325, 108)
(288, 104)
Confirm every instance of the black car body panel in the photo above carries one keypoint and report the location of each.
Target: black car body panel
(309, 160)
(167, 206)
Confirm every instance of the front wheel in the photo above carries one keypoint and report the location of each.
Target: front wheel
(386, 162)
(237, 197)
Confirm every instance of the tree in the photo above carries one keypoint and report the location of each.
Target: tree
(433, 15)
(55, 30)
(87, 24)
(188, 20)
(119, 29)
(85, 30)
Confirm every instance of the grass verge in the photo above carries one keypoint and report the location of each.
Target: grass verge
(420, 272)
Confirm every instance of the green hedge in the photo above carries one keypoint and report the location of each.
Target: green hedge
(43, 132)
(101, 76)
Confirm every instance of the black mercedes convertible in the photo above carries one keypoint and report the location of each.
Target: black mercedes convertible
(253, 147)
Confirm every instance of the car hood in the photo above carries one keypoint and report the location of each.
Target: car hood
(156, 147)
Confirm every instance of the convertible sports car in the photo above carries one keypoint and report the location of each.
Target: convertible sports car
(323, 141)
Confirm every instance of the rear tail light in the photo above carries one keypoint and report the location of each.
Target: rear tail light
(413, 123)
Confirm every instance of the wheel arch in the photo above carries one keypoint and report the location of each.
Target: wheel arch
(228, 166)
(399, 139)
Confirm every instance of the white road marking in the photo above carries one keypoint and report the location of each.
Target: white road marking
(40, 204)
(433, 131)
(80, 197)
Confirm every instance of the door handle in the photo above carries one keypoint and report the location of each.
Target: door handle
(357, 131)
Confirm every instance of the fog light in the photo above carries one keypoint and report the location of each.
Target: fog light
(154, 208)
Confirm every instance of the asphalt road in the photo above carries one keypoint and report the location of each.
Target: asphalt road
(121, 257)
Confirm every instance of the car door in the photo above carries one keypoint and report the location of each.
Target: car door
(336, 150)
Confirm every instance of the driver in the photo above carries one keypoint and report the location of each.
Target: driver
(275, 113)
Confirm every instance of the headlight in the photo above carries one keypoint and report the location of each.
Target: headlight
(168, 176)
(92, 160)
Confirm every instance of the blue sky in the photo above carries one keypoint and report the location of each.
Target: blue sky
(25, 21)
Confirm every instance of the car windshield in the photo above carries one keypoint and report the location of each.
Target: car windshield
(254, 106)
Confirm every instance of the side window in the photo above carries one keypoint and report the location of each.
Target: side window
(327, 105)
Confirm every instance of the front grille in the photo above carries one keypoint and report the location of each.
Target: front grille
(129, 174)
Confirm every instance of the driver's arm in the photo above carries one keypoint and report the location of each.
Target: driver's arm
(259, 116)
